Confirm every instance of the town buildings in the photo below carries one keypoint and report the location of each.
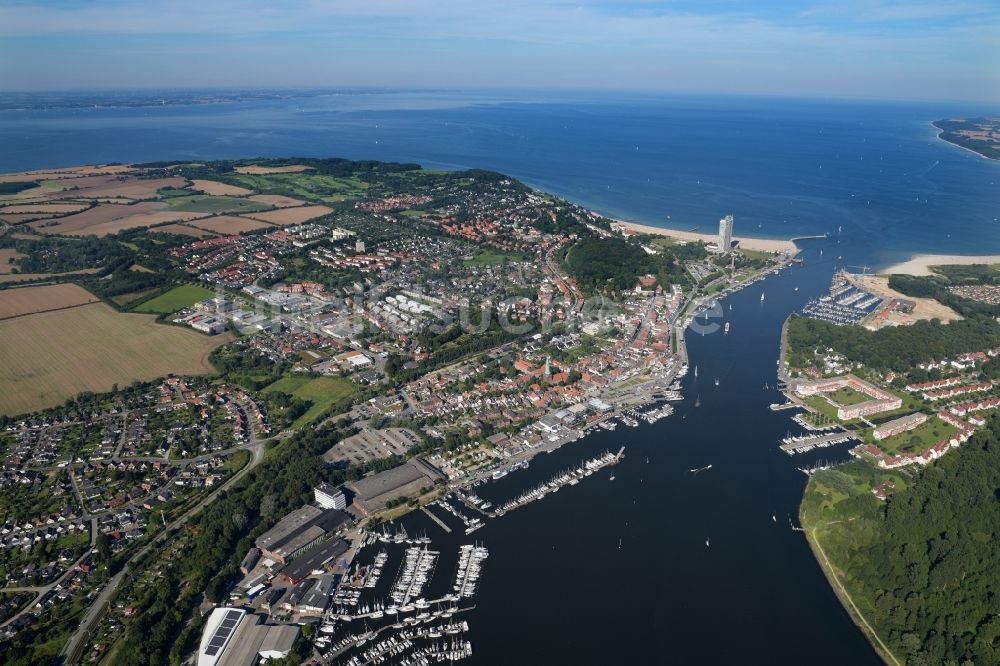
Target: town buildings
(726, 233)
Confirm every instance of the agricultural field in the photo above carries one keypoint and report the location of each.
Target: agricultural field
(44, 208)
(320, 391)
(29, 300)
(183, 230)
(287, 216)
(107, 219)
(113, 188)
(198, 203)
(176, 299)
(7, 258)
(228, 225)
(6, 278)
(276, 200)
(51, 356)
(216, 188)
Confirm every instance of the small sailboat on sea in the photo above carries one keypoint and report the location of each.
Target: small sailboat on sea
(725, 330)
(696, 371)
(707, 543)
(774, 518)
(761, 297)
(716, 381)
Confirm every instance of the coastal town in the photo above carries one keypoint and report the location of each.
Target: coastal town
(894, 418)
(437, 338)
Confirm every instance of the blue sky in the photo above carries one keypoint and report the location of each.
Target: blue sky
(856, 48)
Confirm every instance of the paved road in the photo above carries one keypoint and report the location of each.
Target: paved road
(71, 651)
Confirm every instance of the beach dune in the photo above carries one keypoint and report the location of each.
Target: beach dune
(758, 244)
(920, 264)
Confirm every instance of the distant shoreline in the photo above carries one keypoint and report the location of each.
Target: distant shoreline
(745, 242)
(920, 264)
(942, 131)
(940, 137)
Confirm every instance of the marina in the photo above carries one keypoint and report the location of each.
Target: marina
(845, 304)
(805, 443)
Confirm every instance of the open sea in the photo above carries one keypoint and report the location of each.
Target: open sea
(618, 572)
(783, 167)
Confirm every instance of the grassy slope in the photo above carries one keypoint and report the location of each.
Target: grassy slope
(320, 391)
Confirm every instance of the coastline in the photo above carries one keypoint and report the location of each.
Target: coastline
(920, 264)
(745, 242)
(956, 145)
(940, 135)
(844, 597)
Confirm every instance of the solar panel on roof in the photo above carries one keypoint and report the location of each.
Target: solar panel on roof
(223, 632)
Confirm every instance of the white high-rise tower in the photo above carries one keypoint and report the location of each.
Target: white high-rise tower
(726, 233)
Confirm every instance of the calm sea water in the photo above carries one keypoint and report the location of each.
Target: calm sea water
(618, 571)
(783, 167)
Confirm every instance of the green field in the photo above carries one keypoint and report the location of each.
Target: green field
(755, 254)
(848, 396)
(491, 258)
(822, 406)
(216, 204)
(176, 299)
(305, 185)
(932, 431)
(320, 391)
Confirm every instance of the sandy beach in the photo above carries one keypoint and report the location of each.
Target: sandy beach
(919, 264)
(759, 244)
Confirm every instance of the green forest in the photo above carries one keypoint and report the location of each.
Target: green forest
(921, 567)
(896, 348)
(936, 287)
(605, 264)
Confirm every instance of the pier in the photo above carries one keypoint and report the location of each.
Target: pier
(440, 523)
(793, 445)
(570, 477)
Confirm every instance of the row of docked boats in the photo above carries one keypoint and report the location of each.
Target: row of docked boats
(417, 569)
(569, 477)
(471, 524)
(401, 537)
(470, 564)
